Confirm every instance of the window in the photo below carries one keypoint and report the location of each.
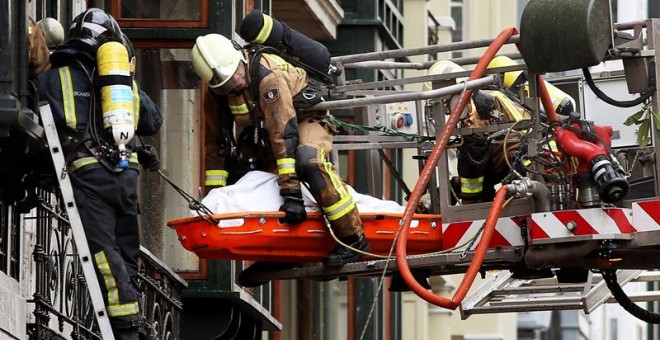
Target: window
(161, 13)
(456, 9)
(432, 27)
(613, 329)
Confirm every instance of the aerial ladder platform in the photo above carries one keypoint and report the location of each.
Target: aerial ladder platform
(551, 244)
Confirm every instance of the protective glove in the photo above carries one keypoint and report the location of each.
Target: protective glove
(294, 208)
(148, 157)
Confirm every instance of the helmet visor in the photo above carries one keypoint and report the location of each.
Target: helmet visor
(225, 88)
(232, 82)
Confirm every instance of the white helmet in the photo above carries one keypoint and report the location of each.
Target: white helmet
(52, 30)
(215, 60)
(442, 67)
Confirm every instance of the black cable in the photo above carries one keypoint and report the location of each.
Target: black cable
(203, 211)
(609, 275)
(644, 95)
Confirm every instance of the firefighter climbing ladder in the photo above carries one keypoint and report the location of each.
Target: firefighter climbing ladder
(77, 230)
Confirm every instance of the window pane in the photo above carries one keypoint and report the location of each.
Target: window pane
(167, 76)
(161, 9)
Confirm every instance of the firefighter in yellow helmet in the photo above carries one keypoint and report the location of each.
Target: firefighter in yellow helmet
(264, 87)
(517, 82)
(480, 158)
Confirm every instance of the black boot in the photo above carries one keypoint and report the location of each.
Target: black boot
(342, 255)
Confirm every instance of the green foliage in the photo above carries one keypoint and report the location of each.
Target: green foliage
(643, 118)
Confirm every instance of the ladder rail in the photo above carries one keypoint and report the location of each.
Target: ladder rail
(77, 230)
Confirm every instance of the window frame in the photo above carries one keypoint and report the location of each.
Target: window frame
(157, 23)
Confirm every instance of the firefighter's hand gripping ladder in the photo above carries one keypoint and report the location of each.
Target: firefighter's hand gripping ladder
(77, 230)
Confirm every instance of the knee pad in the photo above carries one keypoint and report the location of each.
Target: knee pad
(309, 167)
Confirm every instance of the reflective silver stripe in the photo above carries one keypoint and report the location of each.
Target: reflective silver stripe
(68, 101)
(286, 166)
(265, 30)
(216, 177)
(472, 185)
(339, 209)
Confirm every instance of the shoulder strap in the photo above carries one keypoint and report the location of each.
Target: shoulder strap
(311, 71)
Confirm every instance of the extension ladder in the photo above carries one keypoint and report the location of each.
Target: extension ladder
(77, 230)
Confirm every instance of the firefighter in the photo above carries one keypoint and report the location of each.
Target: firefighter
(481, 158)
(269, 89)
(52, 30)
(37, 50)
(481, 162)
(105, 188)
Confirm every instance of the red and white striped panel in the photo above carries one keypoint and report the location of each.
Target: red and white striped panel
(596, 221)
(646, 215)
(507, 233)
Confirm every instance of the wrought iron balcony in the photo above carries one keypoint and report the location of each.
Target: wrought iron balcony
(60, 304)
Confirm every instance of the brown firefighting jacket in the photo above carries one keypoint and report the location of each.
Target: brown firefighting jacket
(278, 82)
(37, 50)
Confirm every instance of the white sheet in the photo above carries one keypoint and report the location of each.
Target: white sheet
(259, 191)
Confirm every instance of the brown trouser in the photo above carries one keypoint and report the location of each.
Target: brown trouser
(329, 190)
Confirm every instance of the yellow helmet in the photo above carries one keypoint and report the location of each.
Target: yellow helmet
(216, 59)
(510, 78)
(441, 67)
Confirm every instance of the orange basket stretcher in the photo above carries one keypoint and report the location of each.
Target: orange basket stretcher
(261, 237)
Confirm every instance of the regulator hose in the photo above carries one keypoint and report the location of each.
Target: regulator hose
(609, 275)
(646, 94)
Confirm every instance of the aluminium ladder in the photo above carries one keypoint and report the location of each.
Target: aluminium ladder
(77, 230)
(503, 293)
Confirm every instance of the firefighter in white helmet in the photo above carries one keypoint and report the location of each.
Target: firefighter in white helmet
(264, 87)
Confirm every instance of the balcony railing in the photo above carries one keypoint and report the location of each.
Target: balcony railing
(60, 304)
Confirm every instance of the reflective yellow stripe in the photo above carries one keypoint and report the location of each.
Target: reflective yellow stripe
(81, 162)
(339, 209)
(281, 63)
(337, 182)
(136, 104)
(286, 166)
(68, 101)
(130, 308)
(216, 178)
(85, 161)
(472, 185)
(508, 104)
(265, 30)
(240, 109)
(109, 280)
(115, 308)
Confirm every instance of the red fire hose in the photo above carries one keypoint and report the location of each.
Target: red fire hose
(571, 143)
(423, 181)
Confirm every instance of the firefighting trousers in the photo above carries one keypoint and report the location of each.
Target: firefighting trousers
(328, 189)
(107, 203)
